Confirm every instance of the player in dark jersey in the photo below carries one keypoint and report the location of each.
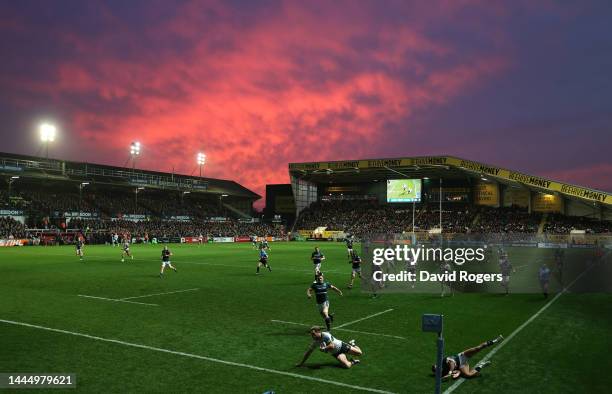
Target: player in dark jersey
(165, 256)
(317, 258)
(327, 343)
(79, 248)
(356, 264)
(456, 365)
(349, 246)
(263, 261)
(544, 278)
(320, 287)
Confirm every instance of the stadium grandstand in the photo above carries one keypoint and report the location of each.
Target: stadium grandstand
(50, 201)
(440, 194)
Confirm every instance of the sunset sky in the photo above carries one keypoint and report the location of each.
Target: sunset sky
(258, 84)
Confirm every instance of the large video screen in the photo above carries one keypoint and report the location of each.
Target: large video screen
(403, 190)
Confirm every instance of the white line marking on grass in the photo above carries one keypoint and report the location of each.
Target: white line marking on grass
(156, 294)
(244, 266)
(115, 300)
(197, 356)
(363, 318)
(341, 329)
(520, 328)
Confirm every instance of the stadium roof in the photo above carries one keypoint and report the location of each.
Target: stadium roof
(32, 167)
(445, 167)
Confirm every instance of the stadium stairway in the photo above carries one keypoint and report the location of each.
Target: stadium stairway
(476, 220)
(542, 223)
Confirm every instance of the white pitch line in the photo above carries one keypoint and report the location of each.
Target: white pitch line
(156, 294)
(243, 266)
(115, 300)
(341, 329)
(197, 356)
(520, 328)
(363, 318)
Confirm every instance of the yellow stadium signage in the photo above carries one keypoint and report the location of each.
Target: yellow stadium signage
(472, 166)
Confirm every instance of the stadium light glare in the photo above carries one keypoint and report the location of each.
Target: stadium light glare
(135, 148)
(224, 195)
(201, 158)
(15, 177)
(47, 132)
(186, 192)
(140, 188)
(84, 183)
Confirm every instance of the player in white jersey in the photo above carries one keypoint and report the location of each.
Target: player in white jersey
(327, 343)
(126, 250)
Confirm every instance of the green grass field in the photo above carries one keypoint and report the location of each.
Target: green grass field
(219, 335)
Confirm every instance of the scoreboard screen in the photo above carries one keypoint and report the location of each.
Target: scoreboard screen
(403, 190)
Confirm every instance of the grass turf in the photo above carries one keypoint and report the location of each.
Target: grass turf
(230, 318)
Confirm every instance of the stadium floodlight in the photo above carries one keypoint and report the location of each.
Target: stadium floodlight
(186, 192)
(425, 177)
(47, 134)
(224, 195)
(135, 148)
(201, 158)
(15, 177)
(84, 183)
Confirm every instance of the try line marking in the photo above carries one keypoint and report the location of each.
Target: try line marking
(520, 328)
(156, 294)
(363, 318)
(342, 329)
(196, 356)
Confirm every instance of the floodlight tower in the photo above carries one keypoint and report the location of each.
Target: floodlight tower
(47, 134)
(201, 161)
(134, 152)
(10, 182)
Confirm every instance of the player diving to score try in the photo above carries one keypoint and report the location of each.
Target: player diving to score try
(320, 287)
(328, 344)
(457, 365)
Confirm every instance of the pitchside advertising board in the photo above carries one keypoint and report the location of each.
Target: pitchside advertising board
(403, 190)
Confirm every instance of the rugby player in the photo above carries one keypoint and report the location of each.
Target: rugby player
(328, 344)
(79, 248)
(544, 278)
(320, 287)
(263, 260)
(356, 262)
(349, 246)
(506, 268)
(165, 256)
(126, 250)
(445, 268)
(317, 258)
(457, 365)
